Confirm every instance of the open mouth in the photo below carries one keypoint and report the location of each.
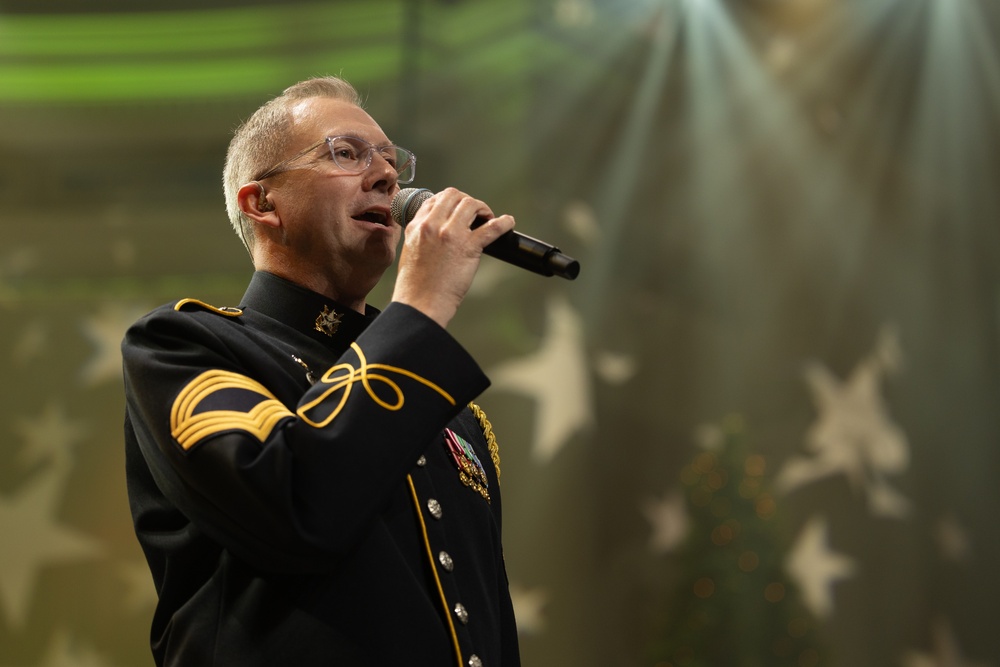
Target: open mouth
(374, 216)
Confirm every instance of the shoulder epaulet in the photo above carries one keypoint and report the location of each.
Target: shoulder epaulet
(191, 304)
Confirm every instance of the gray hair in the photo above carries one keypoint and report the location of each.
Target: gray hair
(262, 140)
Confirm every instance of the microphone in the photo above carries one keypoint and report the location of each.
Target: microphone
(511, 247)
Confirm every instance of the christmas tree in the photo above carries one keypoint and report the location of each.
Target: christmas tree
(735, 606)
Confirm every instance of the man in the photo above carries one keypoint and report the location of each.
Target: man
(308, 479)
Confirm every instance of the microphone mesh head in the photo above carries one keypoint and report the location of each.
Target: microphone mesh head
(406, 202)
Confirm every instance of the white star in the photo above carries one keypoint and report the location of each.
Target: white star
(669, 518)
(579, 218)
(614, 368)
(32, 540)
(49, 437)
(106, 330)
(883, 500)
(556, 376)
(528, 604)
(853, 433)
(814, 568)
(946, 652)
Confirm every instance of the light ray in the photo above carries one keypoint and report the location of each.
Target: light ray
(953, 115)
(622, 174)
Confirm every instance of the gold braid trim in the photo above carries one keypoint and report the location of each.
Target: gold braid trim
(491, 440)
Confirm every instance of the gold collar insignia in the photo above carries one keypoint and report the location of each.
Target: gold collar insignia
(328, 321)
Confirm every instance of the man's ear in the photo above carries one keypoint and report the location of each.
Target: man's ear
(253, 201)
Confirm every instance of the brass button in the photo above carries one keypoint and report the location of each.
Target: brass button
(446, 562)
(461, 613)
(434, 507)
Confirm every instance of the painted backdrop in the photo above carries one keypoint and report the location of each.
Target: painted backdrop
(762, 426)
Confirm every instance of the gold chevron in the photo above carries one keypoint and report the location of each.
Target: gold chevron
(189, 428)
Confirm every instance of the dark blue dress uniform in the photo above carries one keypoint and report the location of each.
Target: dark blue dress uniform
(311, 486)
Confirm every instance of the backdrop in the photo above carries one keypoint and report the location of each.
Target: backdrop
(759, 429)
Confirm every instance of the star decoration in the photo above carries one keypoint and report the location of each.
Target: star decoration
(579, 218)
(946, 651)
(883, 500)
(814, 568)
(140, 594)
(615, 369)
(669, 518)
(33, 540)
(853, 434)
(556, 377)
(106, 330)
(49, 437)
(65, 652)
(528, 605)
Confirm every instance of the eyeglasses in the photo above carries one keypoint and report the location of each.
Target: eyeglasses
(355, 155)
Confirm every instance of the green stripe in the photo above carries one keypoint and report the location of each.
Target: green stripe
(85, 58)
(193, 54)
(196, 31)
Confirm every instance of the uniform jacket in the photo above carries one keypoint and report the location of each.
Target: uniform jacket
(310, 486)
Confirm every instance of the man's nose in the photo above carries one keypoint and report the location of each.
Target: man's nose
(380, 174)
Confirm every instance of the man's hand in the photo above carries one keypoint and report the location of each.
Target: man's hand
(441, 252)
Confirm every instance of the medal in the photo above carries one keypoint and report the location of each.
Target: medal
(470, 470)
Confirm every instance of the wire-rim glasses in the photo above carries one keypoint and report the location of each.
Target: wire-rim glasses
(354, 155)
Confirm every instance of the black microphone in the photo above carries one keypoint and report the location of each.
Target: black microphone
(511, 247)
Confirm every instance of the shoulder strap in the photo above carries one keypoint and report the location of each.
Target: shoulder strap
(187, 304)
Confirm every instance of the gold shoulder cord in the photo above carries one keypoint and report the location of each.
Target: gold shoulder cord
(491, 440)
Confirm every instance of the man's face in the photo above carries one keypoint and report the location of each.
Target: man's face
(335, 222)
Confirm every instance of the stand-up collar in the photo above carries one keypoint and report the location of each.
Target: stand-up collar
(326, 320)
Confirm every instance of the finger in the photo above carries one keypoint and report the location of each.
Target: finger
(457, 207)
(493, 229)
